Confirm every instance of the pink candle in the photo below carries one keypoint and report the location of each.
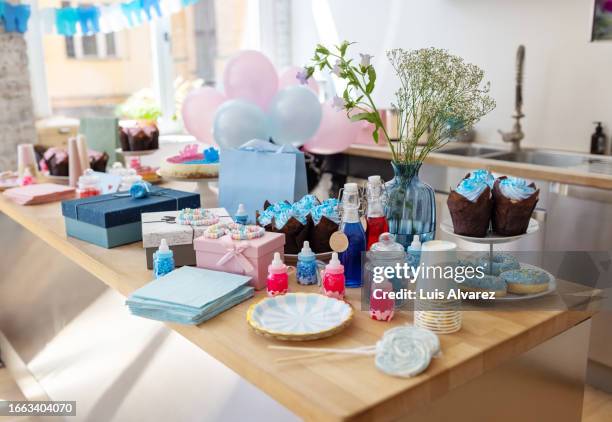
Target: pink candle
(278, 279)
(381, 307)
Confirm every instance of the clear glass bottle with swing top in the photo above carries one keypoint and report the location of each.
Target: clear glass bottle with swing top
(353, 230)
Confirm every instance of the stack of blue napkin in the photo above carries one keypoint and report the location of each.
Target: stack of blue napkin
(189, 295)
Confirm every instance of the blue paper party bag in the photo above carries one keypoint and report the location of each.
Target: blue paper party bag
(260, 171)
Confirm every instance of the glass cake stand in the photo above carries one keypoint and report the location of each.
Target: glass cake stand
(495, 239)
(206, 186)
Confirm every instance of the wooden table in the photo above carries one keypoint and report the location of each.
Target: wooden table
(325, 388)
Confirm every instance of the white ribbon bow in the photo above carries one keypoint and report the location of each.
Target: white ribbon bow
(235, 251)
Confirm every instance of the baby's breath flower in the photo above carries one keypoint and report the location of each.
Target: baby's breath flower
(439, 95)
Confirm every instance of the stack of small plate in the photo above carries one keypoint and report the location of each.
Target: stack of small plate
(441, 317)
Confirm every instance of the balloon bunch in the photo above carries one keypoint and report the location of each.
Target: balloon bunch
(260, 104)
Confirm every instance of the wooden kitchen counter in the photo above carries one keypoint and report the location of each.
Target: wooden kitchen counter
(326, 388)
(529, 171)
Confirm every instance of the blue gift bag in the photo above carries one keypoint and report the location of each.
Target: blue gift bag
(260, 171)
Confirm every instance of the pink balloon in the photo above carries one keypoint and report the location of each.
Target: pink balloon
(251, 76)
(288, 78)
(367, 129)
(364, 135)
(336, 132)
(199, 110)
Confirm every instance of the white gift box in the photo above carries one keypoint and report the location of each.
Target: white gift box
(162, 225)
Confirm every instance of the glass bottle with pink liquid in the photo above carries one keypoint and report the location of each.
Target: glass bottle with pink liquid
(333, 281)
(278, 278)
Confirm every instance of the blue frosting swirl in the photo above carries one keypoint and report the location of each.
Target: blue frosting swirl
(329, 209)
(471, 189)
(516, 188)
(281, 212)
(484, 176)
(302, 208)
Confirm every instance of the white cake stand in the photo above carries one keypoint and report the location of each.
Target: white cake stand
(208, 194)
(494, 239)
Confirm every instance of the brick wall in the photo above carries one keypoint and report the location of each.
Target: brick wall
(16, 111)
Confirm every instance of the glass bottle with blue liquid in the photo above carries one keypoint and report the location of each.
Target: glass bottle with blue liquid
(353, 230)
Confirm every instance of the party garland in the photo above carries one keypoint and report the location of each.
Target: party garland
(89, 20)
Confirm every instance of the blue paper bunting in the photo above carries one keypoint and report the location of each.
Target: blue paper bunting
(15, 17)
(132, 11)
(66, 21)
(148, 4)
(89, 19)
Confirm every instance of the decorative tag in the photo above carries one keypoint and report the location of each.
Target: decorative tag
(338, 242)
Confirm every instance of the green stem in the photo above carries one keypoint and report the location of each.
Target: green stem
(371, 104)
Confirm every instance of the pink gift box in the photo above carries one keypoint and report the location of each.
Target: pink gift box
(247, 257)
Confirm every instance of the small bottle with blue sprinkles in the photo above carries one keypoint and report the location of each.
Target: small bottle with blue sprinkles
(306, 269)
(163, 260)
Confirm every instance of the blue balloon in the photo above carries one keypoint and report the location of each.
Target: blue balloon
(295, 115)
(237, 122)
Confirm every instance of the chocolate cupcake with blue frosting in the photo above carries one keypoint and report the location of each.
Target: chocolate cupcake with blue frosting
(514, 201)
(470, 204)
(281, 217)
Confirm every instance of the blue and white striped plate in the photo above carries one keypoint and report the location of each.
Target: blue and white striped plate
(299, 316)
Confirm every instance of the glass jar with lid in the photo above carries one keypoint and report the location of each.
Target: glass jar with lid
(386, 267)
(89, 185)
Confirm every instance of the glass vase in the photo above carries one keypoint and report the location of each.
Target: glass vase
(410, 205)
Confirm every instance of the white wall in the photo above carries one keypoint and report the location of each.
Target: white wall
(568, 80)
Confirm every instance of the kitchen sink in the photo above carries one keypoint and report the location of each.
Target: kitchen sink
(541, 158)
(602, 165)
(468, 150)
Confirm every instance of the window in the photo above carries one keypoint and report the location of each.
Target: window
(111, 46)
(91, 75)
(99, 46)
(90, 46)
(70, 47)
(165, 57)
(207, 34)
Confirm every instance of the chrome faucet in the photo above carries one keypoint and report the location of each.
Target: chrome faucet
(517, 132)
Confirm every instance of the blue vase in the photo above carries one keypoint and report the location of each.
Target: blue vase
(410, 205)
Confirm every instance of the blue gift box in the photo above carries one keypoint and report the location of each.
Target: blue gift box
(114, 219)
